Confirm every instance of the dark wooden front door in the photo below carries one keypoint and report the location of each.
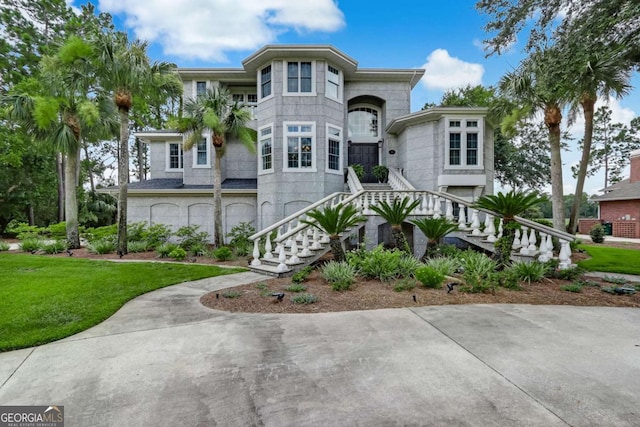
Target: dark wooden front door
(367, 156)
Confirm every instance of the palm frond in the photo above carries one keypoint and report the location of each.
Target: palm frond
(435, 228)
(334, 220)
(510, 204)
(397, 212)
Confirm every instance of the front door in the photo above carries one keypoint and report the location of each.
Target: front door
(367, 156)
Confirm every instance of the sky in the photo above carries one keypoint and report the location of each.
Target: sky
(444, 38)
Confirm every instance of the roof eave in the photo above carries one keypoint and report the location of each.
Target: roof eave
(398, 124)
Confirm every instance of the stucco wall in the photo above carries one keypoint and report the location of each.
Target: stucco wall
(158, 161)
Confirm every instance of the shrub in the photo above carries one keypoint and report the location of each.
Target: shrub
(157, 234)
(164, 249)
(529, 271)
(302, 275)
(358, 169)
(189, 236)
(31, 244)
(445, 265)
(574, 287)
(223, 253)
(296, 288)
(137, 246)
(22, 230)
(571, 273)
(340, 275)
(304, 299)
(407, 265)
(429, 277)
(378, 263)
(55, 247)
(230, 294)
(476, 270)
(4, 246)
(589, 283)
(597, 233)
(240, 238)
(198, 249)
(178, 254)
(406, 284)
(102, 246)
(615, 280)
(99, 233)
(507, 278)
(136, 232)
(57, 231)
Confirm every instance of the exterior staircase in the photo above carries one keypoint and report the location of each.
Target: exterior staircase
(290, 245)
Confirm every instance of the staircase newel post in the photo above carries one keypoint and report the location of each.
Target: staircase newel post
(490, 228)
(256, 253)
(268, 247)
(565, 255)
(524, 250)
(282, 258)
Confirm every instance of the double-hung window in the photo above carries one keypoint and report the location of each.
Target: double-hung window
(266, 149)
(201, 154)
(299, 77)
(464, 144)
(334, 142)
(201, 88)
(174, 156)
(265, 82)
(299, 146)
(333, 83)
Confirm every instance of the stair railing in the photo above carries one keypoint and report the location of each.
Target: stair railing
(353, 181)
(399, 182)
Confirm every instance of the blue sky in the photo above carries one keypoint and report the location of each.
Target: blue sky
(445, 38)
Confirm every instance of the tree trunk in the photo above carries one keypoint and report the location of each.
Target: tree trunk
(553, 117)
(218, 236)
(336, 248)
(588, 103)
(123, 180)
(32, 215)
(71, 198)
(60, 172)
(431, 248)
(141, 168)
(89, 169)
(399, 239)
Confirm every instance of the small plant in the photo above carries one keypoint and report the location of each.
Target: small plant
(507, 278)
(137, 246)
(55, 247)
(231, 294)
(223, 253)
(407, 265)
(178, 254)
(554, 272)
(617, 280)
(301, 275)
(597, 233)
(102, 246)
(381, 172)
(378, 263)
(189, 236)
(99, 233)
(573, 287)
(262, 286)
(296, 288)
(240, 234)
(477, 269)
(304, 299)
(429, 277)
(198, 249)
(445, 265)
(587, 283)
(157, 234)
(57, 231)
(406, 284)
(358, 169)
(529, 271)
(24, 231)
(164, 249)
(31, 244)
(4, 246)
(340, 275)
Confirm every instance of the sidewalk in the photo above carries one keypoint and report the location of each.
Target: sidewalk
(586, 237)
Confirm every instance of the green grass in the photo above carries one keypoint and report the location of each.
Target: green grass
(611, 260)
(46, 299)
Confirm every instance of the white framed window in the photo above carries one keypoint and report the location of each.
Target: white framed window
(201, 158)
(264, 81)
(201, 88)
(299, 78)
(334, 149)
(333, 87)
(175, 156)
(464, 143)
(248, 98)
(299, 146)
(265, 144)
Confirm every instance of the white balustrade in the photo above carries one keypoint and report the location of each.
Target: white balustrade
(524, 242)
(516, 239)
(305, 246)
(489, 228)
(565, 255)
(532, 242)
(500, 228)
(267, 247)
(282, 258)
(437, 207)
(475, 223)
(544, 254)
(449, 210)
(462, 219)
(293, 259)
(316, 239)
(256, 253)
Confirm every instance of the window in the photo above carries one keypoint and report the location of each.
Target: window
(363, 122)
(252, 98)
(201, 88)
(174, 156)
(333, 83)
(202, 153)
(299, 77)
(464, 139)
(238, 97)
(266, 149)
(334, 142)
(299, 146)
(265, 82)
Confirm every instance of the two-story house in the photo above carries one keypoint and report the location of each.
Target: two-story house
(315, 112)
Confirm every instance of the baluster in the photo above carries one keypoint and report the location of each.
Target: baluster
(325, 238)
(278, 242)
(449, 210)
(516, 239)
(489, 228)
(305, 245)
(500, 229)
(524, 250)
(544, 254)
(256, 252)
(549, 246)
(267, 247)
(316, 239)
(565, 255)
(430, 205)
(437, 207)
(475, 223)
(462, 220)
(282, 258)
(289, 241)
(365, 205)
(532, 242)
(293, 259)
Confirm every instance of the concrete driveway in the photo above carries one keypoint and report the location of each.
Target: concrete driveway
(165, 360)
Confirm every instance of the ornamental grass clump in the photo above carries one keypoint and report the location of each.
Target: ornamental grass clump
(529, 271)
(31, 244)
(340, 275)
(102, 246)
(55, 247)
(445, 265)
(477, 269)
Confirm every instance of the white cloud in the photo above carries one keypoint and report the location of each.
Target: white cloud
(206, 29)
(619, 114)
(446, 72)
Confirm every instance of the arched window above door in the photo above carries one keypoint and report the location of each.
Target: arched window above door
(364, 123)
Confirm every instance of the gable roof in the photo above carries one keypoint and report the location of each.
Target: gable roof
(623, 190)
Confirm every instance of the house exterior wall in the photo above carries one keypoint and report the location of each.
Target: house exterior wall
(158, 161)
(617, 212)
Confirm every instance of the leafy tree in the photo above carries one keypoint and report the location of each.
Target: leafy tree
(334, 221)
(217, 114)
(395, 214)
(125, 71)
(469, 96)
(434, 229)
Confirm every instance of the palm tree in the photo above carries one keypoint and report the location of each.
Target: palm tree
(395, 214)
(599, 73)
(125, 72)
(216, 114)
(334, 221)
(539, 84)
(434, 229)
(508, 206)
(59, 108)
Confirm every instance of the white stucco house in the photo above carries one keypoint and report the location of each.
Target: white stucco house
(315, 112)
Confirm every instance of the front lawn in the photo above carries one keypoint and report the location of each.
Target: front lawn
(611, 260)
(44, 299)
